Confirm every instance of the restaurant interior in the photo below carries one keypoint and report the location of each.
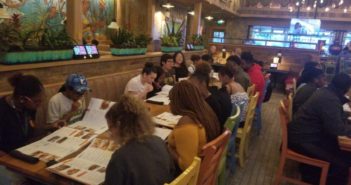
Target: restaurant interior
(239, 92)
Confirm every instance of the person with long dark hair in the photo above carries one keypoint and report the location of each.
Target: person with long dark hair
(180, 68)
(197, 126)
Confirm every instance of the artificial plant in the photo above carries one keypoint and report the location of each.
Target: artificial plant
(122, 38)
(173, 37)
(197, 40)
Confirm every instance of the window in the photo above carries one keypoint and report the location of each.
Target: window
(347, 38)
(280, 37)
(218, 37)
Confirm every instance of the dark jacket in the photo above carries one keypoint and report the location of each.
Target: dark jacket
(302, 95)
(220, 102)
(144, 162)
(15, 129)
(320, 119)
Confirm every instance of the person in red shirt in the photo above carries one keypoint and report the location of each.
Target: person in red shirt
(256, 76)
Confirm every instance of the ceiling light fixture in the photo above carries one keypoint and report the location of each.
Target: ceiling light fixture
(345, 10)
(220, 21)
(327, 9)
(308, 8)
(341, 2)
(113, 25)
(168, 6)
(191, 13)
(210, 18)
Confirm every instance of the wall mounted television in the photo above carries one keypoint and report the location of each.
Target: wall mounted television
(304, 26)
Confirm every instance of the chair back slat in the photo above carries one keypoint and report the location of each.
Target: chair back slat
(189, 175)
(250, 112)
(283, 113)
(251, 90)
(229, 124)
(211, 155)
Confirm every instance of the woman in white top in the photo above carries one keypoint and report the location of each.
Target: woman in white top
(237, 93)
(140, 85)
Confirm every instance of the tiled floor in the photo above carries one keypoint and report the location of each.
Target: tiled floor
(263, 159)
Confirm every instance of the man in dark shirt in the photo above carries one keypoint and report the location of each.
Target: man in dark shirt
(316, 126)
(240, 76)
(314, 79)
(219, 101)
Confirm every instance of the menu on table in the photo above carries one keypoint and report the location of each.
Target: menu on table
(163, 133)
(59, 144)
(94, 118)
(166, 119)
(88, 167)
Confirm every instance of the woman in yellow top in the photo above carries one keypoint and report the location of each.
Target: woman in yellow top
(197, 125)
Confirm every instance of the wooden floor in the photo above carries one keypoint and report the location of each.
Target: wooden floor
(263, 158)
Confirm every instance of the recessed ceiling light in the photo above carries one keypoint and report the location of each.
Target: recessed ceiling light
(191, 13)
(209, 18)
(168, 6)
(308, 8)
(345, 10)
(327, 9)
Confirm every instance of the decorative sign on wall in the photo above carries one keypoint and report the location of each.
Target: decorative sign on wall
(97, 15)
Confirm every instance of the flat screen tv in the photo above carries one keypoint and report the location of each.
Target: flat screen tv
(304, 26)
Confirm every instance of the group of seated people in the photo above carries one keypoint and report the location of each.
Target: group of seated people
(203, 110)
(318, 120)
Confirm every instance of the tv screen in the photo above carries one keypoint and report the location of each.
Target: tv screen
(305, 26)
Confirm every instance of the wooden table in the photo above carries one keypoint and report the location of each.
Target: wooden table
(38, 171)
(344, 143)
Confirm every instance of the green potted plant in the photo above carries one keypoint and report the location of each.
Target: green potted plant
(170, 42)
(198, 42)
(43, 44)
(126, 43)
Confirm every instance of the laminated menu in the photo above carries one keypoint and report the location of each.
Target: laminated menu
(94, 118)
(166, 119)
(58, 145)
(88, 167)
(162, 132)
(72, 138)
(159, 99)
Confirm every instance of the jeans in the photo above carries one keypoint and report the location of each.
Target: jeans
(257, 122)
(8, 177)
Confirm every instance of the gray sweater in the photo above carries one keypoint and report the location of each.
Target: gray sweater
(145, 162)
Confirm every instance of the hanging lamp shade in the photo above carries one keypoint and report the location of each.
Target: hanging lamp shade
(113, 25)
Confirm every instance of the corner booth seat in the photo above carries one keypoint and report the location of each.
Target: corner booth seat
(109, 87)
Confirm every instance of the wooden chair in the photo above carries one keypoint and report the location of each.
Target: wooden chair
(211, 155)
(190, 175)
(243, 134)
(288, 106)
(286, 153)
(251, 90)
(232, 125)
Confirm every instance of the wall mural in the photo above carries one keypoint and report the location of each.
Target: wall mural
(97, 15)
(38, 14)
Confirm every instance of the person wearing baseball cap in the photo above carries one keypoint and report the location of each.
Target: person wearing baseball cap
(68, 105)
